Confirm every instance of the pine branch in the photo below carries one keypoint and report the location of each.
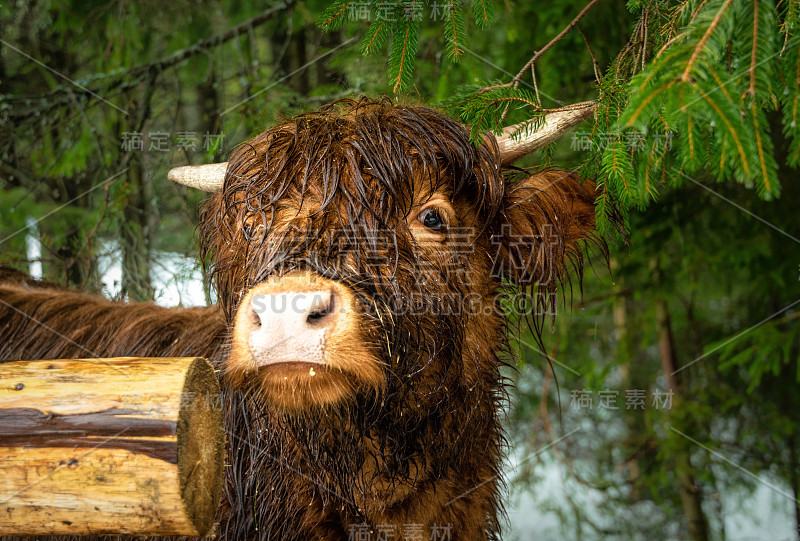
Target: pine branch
(735, 129)
(701, 44)
(454, 30)
(752, 70)
(375, 37)
(790, 100)
(595, 63)
(402, 56)
(333, 17)
(483, 12)
(767, 180)
(552, 42)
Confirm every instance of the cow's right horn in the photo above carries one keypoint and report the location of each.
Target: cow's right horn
(208, 178)
(515, 142)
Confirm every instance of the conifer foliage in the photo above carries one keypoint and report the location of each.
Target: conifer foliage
(698, 86)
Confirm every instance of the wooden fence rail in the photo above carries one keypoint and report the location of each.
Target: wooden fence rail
(118, 446)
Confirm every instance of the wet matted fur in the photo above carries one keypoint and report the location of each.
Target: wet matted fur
(342, 193)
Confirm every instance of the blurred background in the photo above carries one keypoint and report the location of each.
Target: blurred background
(667, 405)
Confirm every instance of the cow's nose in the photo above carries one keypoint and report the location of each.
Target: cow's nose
(292, 326)
(294, 310)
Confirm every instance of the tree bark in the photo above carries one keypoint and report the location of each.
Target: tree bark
(139, 213)
(632, 379)
(136, 231)
(691, 498)
(117, 446)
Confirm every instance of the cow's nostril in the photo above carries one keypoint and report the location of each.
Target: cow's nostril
(318, 313)
(255, 319)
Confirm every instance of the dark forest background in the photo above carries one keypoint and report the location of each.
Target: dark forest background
(669, 407)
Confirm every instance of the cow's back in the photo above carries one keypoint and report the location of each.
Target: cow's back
(39, 321)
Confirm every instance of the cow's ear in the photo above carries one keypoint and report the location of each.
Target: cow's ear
(545, 219)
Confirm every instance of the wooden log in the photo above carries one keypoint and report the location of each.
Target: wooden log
(110, 446)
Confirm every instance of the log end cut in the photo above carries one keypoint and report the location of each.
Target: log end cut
(201, 446)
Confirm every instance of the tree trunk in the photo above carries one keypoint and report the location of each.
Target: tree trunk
(631, 377)
(210, 103)
(292, 55)
(691, 498)
(136, 283)
(139, 214)
(125, 445)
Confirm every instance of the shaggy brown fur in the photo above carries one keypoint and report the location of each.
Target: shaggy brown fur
(344, 193)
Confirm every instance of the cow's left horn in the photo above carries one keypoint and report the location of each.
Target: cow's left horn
(208, 178)
(555, 125)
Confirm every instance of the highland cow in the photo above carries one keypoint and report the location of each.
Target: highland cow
(360, 257)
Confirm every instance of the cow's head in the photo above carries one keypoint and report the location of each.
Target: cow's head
(361, 254)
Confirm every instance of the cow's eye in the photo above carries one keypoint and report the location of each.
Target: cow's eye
(431, 219)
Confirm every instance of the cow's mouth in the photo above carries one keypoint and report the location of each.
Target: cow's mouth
(288, 369)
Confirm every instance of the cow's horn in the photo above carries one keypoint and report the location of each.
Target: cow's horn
(554, 126)
(211, 177)
(208, 178)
